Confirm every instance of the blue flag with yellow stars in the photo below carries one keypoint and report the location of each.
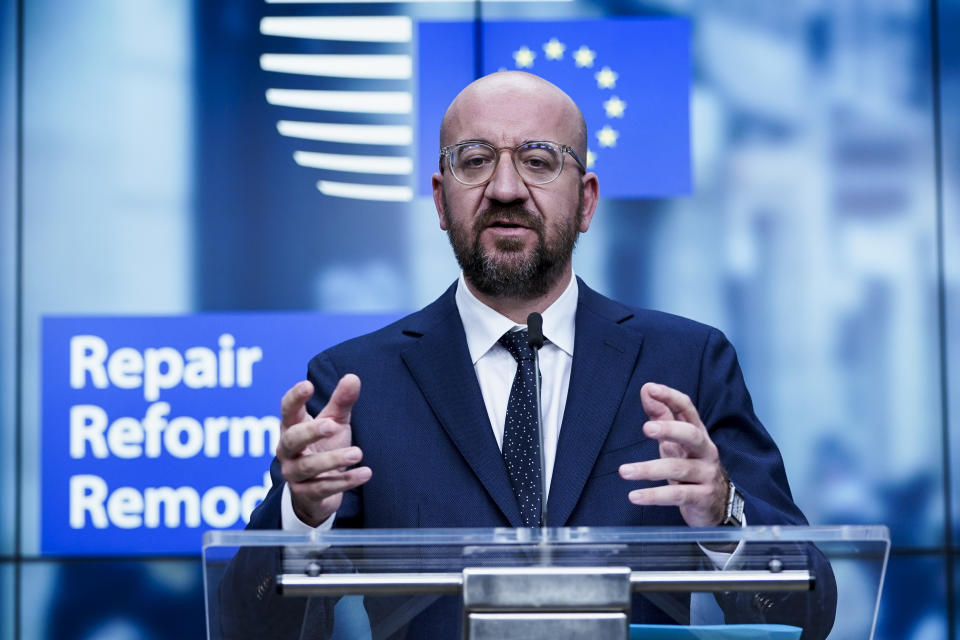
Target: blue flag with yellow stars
(630, 77)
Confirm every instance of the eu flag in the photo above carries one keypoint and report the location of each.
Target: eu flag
(630, 77)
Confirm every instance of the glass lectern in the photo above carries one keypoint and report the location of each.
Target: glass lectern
(770, 583)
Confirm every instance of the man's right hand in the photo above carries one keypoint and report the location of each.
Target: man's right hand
(314, 453)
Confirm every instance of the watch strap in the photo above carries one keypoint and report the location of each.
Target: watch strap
(734, 512)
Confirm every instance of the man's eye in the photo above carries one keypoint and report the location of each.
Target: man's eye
(539, 162)
(475, 161)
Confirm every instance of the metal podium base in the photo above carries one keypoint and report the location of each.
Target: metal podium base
(546, 603)
(540, 626)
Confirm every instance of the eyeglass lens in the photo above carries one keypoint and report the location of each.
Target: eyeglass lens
(537, 162)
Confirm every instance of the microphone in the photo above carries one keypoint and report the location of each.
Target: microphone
(535, 340)
(535, 331)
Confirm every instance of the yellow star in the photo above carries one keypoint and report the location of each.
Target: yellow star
(606, 78)
(554, 49)
(584, 56)
(591, 159)
(608, 136)
(615, 107)
(524, 57)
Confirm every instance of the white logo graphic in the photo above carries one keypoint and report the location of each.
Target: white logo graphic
(336, 122)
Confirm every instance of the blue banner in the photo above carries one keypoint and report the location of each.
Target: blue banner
(156, 429)
(630, 77)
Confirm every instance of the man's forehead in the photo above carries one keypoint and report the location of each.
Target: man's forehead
(506, 139)
(512, 107)
(507, 121)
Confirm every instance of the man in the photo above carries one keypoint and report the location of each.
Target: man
(646, 416)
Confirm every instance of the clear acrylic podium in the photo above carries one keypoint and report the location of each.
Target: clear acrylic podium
(653, 583)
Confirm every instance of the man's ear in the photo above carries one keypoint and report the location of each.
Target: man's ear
(591, 194)
(437, 182)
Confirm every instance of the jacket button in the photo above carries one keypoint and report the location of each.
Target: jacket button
(263, 587)
(762, 603)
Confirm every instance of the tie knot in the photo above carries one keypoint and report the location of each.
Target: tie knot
(516, 343)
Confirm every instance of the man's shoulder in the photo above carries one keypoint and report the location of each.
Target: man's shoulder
(646, 322)
(397, 335)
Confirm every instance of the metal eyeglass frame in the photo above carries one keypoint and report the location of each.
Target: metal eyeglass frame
(446, 151)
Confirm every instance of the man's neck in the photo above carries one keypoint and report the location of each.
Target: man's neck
(517, 309)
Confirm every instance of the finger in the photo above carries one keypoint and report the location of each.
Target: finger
(331, 483)
(674, 495)
(315, 499)
(672, 450)
(342, 399)
(295, 439)
(678, 402)
(656, 409)
(294, 402)
(314, 465)
(699, 505)
(679, 470)
(693, 439)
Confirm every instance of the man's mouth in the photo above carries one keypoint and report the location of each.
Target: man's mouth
(507, 224)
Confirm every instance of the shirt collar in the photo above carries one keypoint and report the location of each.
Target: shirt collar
(484, 326)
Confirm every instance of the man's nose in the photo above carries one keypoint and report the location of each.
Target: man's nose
(506, 185)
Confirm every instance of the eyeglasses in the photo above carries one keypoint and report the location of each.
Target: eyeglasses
(474, 162)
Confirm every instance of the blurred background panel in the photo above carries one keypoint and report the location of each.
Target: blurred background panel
(107, 176)
(919, 608)
(811, 241)
(955, 605)
(8, 617)
(949, 65)
(101, 600)
(9, 259)
(821, 236)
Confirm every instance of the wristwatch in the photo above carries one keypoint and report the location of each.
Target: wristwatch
(734, 513)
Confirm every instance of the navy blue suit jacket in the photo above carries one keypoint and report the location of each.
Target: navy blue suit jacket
(424, 430)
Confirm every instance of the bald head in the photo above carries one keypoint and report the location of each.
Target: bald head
(508, 96)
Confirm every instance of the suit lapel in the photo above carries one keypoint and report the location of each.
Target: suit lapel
(605, 355)
(440, 365)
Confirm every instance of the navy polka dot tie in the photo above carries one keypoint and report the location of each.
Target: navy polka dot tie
(521, 443)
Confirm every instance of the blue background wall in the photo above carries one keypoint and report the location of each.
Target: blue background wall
(141, 172)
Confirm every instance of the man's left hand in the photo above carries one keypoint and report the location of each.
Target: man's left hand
(696, 481)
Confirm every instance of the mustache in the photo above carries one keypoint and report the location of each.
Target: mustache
(511, 214)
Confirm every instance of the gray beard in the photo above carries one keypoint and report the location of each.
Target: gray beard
(510, 273)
